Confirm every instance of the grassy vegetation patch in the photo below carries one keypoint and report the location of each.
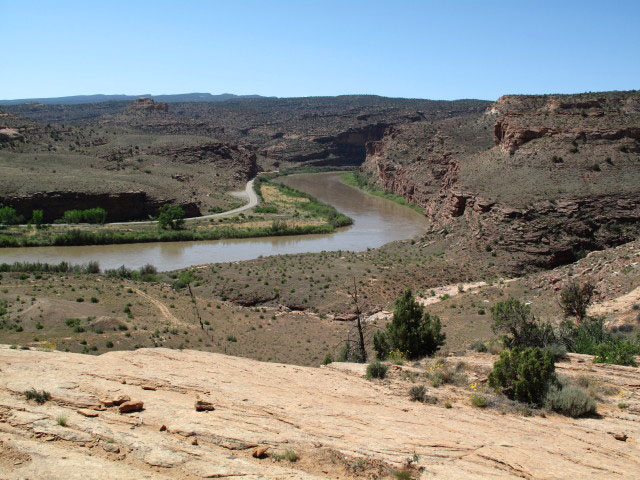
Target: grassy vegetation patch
(358, 180)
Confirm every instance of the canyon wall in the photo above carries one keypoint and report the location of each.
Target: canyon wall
(544, 179)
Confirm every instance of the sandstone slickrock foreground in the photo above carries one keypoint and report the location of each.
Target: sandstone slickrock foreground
(332, 417)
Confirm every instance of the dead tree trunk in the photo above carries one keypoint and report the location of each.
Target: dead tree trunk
(354, 296)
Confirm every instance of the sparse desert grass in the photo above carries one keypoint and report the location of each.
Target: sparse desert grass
(39, 397)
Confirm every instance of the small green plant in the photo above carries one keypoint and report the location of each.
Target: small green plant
(39, 397)
(289, 454)
(417, 393)
(328, 358)
(376, 370)
(396, 357)
(479, 401)
(109, 344)
(402, 475)
(61, 420)
(448, 405)
(231, 338)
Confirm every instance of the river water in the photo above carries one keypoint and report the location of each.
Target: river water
(376, 221)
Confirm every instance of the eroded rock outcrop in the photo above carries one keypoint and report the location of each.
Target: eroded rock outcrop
(340, 424)
(544, 178)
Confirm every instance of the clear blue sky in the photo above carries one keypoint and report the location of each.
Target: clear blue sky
(425, 49)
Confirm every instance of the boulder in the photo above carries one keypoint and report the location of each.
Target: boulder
(204, 406)
(131, 406)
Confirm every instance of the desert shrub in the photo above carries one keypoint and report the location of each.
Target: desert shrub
(327, 359)
(592, 338)
(171, 216)
(376, 370)
(396, 357)
(524, 375)
(62, 420)
(38, 396)
(620, 351)
(148, 269)
(479, 347)
(402, 475)
(444, 374)
(417, 393)
(479, 401)
(558, 350)
(74, 323)
(288, 454)
(411, 330)
(570, 400)
(120, 272)
(575, 299)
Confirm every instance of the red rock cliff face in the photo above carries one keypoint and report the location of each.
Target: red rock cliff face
(589, 207)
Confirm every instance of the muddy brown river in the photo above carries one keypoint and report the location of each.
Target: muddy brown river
(376, 221)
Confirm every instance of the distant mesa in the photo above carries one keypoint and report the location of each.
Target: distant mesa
(146, 104)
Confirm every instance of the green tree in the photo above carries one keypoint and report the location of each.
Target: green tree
(9, 216)
(515, 320)
(413, 331)
(524, 375)
(171, 216)
(575, 299)
(37, 217)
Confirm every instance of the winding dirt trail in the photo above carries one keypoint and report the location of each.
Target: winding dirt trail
(164, 310)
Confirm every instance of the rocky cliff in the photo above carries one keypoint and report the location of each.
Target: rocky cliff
(542, 178)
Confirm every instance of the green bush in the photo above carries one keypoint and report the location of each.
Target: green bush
(327, 359)
(171, 216)
(479, 346)
(37, 217)
(411, 330)
(9, 216)
(592, 338)
(91, 215)
(376, 370)
(479, 401)
(524, 375)
(620, 352)
(570, 400)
